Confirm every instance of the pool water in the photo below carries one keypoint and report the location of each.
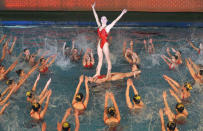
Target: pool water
(65, 76)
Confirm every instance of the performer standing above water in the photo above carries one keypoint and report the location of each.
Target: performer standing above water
(103, 45)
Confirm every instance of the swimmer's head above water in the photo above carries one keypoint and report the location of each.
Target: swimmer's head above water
(137, 99)
(36, 107)
(171, 126)
(111, 111)
(79, 97)
(104, 20)
(179, 107)
(26, 51)
(66, 126)
(42, 60)
(9, 82)
(188, 86)
(20, 72)
(29, 94)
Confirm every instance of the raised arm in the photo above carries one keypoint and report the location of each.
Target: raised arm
(127, 58)
(128, 101)
(92, 58)
(11, 67)
(108, 28)
(193, 46)
(162, 120)
(63, 49)
(4, 50)
(4, 36)
(84, 58)
(7, 97)
(150, 41)
(68, 111)
(175, 96)
(116, 107)
(105, 106)
(52, 61)
(4, 108)
(134, 89)
(44, 126)
(124, 47)
(35, 84)
(191, 70)
(43, 112)
(95, 15)
(171, 84)
(167, 108)
(12, 46)
(87, 92)
(78, 88)
(45, 88)
(77, 122)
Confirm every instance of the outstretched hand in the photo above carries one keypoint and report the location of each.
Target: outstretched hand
(164, 94)
(124, 11)
(93, 5)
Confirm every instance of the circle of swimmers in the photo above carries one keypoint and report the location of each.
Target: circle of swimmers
(111, 117)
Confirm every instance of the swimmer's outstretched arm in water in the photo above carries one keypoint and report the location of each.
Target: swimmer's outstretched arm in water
(43, 112)
(128, 101)
(4, 108)
(5, 47)
(162, 120)
(77, 89)
(7, 97)
(193, 46)
(45, 89)
(2, 38)
(105, 107)
(35, 84)
(185, 112)
(172, 83)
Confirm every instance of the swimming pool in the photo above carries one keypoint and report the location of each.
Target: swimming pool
(65, 76)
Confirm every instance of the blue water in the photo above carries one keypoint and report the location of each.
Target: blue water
(65, 76)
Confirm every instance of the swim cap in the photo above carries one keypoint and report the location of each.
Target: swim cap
(79, 97)
(9, 82)
(188, 86)
(111, 111)
(180, 107)
(137, 99)
(29, 94)
(19, 71)
(65, 126)
(171, 125)
(36, 107)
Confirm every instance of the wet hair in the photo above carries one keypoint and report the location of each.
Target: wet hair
(41, 59)
(111, 111)
(171, 125)
(36, 107)
(9, 82)
(136, 99)
(65, 126)
(176, 57)
(138, 66)
(29, 94)
(25, 49)
(19, 72)
(79, 97)
(180, 107)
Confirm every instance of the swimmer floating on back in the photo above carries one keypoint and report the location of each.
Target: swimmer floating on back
(182, 113)
(137, 102)
(111, 114)
(78, 102)
(182, 91)
(116, 76)
(103, 45)
(195, 71)
(66, 126)
(88, 59)
(130, 56)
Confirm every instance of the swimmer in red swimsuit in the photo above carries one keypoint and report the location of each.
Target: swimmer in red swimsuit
(182, 91)
(199, 50)
(103, 46)
(36, 112)
(181, 111)
(170, 62)
(88, 59)
(78, 102)
(177, 56)
(111, 114)
(44, 67)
